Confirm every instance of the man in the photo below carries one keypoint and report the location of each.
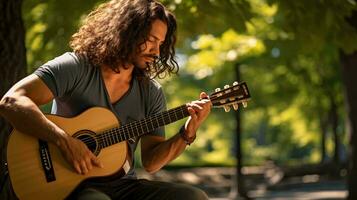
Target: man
(121, 44)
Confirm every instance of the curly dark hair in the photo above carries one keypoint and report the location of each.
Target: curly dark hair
(112, 33)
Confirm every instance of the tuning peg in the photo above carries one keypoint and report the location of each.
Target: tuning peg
(235, 106)
(217, 89)
(227, 108)
(226, 86)
(245, 104)
(235, 83)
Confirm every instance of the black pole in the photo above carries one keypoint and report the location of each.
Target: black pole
(242, 192)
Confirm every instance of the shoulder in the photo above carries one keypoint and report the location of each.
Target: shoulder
(155, 89)
(154, 85)
(68, 58)
(68, 63)
(152, 90)
(149, 85)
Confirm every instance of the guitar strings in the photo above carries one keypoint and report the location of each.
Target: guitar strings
(114, 133)
(120, 132)
(107, 137)
(137, 128)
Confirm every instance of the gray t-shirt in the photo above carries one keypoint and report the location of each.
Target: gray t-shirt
(77, 85)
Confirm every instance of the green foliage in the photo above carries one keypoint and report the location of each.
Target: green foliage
(292, 73)
(315, 23)
(50, 25)
(288, 53)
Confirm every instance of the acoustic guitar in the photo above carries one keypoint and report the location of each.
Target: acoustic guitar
(37, 169)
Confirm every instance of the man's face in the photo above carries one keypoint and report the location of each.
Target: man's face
(151, 48)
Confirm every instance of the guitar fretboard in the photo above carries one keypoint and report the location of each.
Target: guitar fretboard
(141, 127)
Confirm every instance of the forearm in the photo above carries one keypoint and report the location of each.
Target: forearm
(163, 153)
(26, 117)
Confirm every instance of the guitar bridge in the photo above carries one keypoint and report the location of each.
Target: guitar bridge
(46, 161)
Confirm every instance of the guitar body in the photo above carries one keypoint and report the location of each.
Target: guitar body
(24, 163)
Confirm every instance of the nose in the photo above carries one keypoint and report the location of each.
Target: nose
(155, 50)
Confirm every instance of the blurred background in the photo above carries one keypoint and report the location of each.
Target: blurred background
(296, 138)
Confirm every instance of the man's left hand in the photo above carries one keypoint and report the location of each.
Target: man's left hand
(198, 111)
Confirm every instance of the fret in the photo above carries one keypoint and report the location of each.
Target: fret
(152, 123)
(168, 118)
(116, 135)
(162, 119)
(113, 137)
(142, 129)
(110, 138)
(157, 120)
(170, 115)
(176, 118)
(121, 135)
(127, 130)
(138, 128)
(132, 134)
(100, 137)
(146, 125)
(182, 112)
(105, 141)
(132, 130)
(148, 122)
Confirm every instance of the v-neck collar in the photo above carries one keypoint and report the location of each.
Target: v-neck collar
(107, 93)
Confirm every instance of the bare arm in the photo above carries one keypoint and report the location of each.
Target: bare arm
(156, 152)
(20, 107)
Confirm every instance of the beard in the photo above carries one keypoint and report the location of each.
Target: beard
(145, 62)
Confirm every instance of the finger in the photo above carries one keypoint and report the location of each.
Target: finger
(88, 161)
(192, 113)
(203, 95)
(77, 167)
(208, 104)
(84, 167)
(207, 101)
(96, 162)
(196, 107)
(203, 102)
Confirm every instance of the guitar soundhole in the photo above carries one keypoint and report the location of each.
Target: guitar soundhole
(88, 138)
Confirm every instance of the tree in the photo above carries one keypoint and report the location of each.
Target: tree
(12, 67)
(336, 26)
(349, 66)
(299, 32)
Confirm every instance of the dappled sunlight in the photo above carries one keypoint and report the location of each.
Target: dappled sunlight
(213, 52)
(293, 57)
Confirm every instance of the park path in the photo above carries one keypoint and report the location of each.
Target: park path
(219, 184)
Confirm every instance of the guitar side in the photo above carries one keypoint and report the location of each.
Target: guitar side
(25, 169)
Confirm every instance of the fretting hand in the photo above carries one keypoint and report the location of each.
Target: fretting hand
(199, 111)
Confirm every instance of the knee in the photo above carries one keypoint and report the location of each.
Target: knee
(198, 194)
(190, 193)
(92, 194)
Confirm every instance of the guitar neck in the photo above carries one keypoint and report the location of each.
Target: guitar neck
(238, 93)
(141, 127)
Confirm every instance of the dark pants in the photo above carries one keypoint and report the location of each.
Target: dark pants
(141, 189)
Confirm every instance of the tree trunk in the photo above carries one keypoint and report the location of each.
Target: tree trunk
(323, 128)
(242, 192)
(334, 126)
(12, 67)
(349, 70)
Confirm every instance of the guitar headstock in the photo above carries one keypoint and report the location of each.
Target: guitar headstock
(233, 95)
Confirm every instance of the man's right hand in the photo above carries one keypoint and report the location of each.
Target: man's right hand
(78, 154)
